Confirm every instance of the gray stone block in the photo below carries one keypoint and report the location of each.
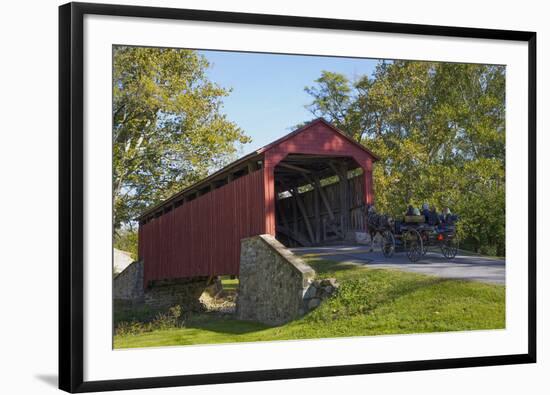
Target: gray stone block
(272, 282)
(313, 303)
(128, 285)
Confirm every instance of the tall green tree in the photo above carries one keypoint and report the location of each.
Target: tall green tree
(440, 131)
(168, 127)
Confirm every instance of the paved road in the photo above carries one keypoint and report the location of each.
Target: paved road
(468, 267)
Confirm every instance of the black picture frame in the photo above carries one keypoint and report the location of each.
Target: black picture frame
(71, 173)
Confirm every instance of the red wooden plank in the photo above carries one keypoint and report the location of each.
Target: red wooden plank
(202, 237)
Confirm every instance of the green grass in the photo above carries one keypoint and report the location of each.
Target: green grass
(369, 302)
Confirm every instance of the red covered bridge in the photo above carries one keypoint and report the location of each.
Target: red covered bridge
(307, 188)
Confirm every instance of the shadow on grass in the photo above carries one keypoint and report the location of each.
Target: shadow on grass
(224, 325)
(325, 266)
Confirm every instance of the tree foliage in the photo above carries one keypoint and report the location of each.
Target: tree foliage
(168, 127)
(440, 131)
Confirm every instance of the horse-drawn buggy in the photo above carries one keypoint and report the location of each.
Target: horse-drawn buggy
(415, 234)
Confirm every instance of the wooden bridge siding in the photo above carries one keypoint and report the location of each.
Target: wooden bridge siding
(318, 139)
(357, 192)
(202, 236)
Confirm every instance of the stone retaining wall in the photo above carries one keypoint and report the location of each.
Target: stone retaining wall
(128, 285)
(184, 292)
(128, 289)
(275, 286)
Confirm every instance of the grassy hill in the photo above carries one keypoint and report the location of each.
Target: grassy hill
(369, 302)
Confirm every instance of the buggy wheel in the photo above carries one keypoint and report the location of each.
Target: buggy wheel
(414, 245)
(449, 247)
(388, 244)
(424, 247)
(425, 237)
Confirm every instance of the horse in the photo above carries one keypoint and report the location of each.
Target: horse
(377, 223)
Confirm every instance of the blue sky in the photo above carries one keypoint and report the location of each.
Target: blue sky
(268, 95)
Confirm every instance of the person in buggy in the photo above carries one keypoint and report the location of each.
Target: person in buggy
(425, 211)
(446, 215)
(412, 211)
(430, 214)
(433, 217)
(447, 219)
